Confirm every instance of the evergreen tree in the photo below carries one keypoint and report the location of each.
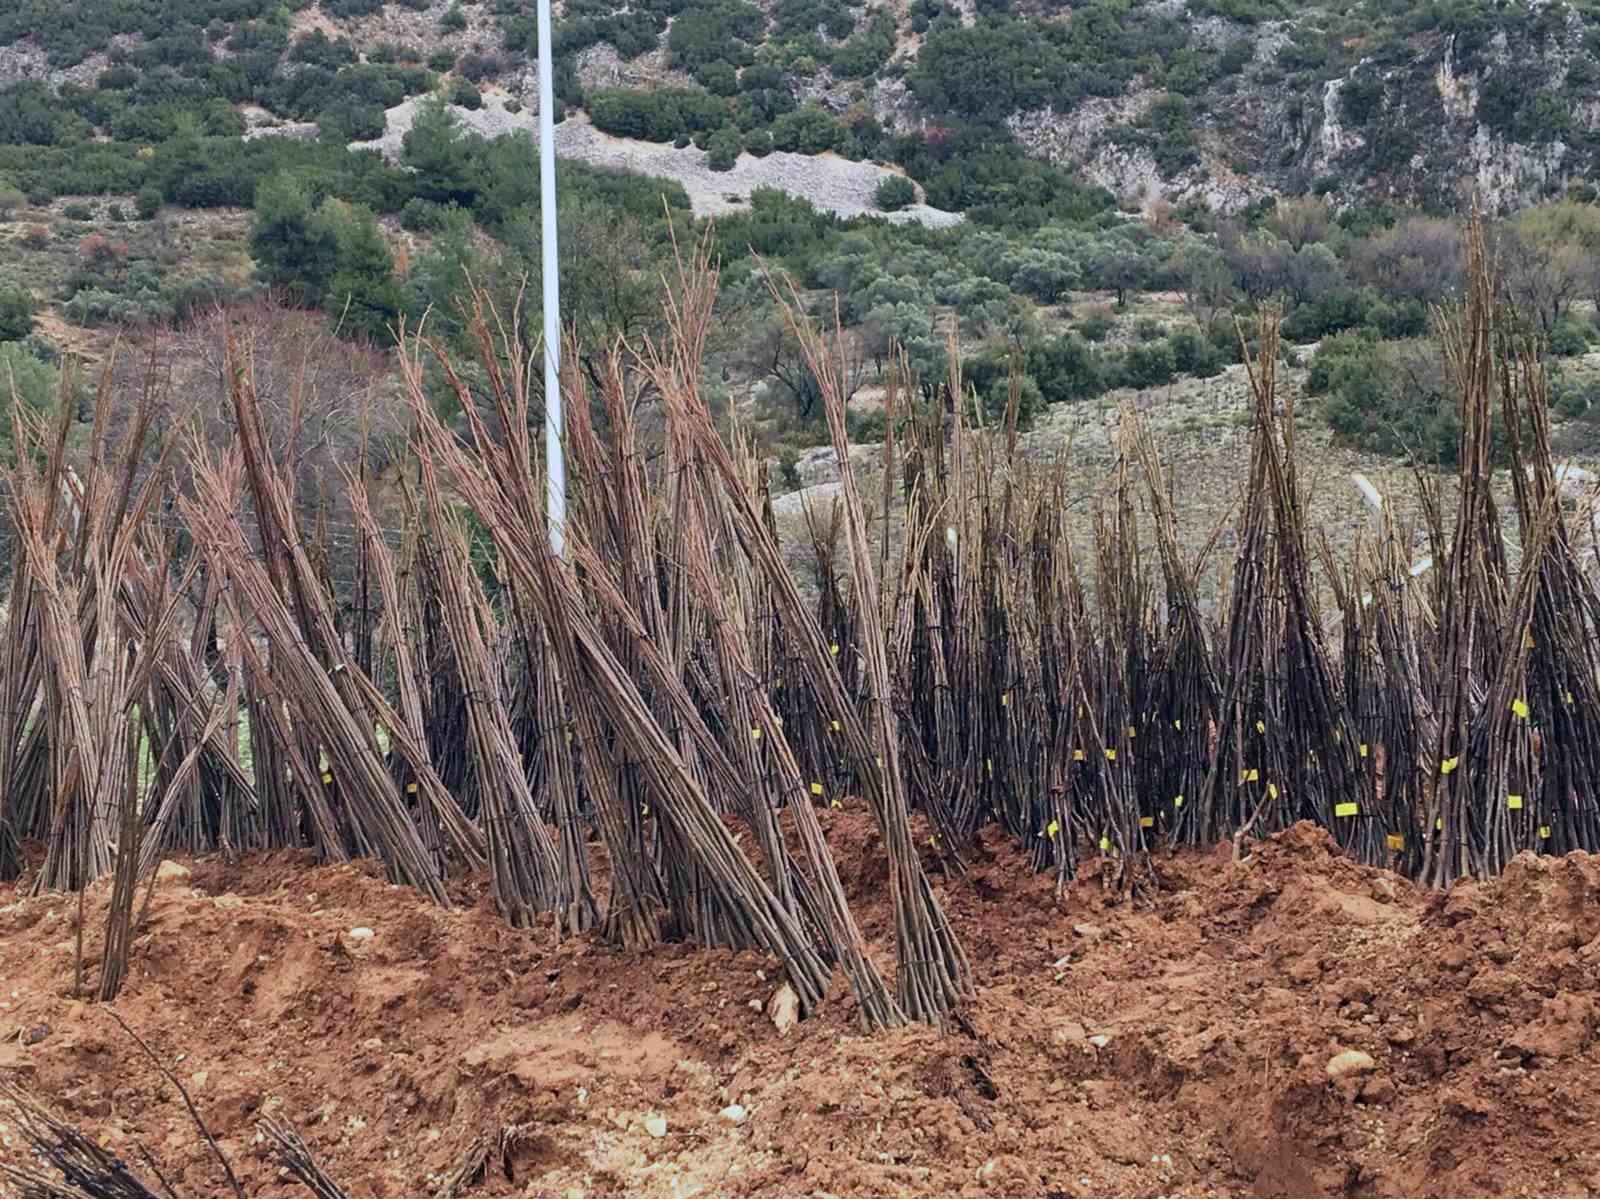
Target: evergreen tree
(292, 249)
(362, 295)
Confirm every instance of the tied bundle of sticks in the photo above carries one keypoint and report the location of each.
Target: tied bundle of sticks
(184, 671)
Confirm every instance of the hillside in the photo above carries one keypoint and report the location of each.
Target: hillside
(1091, 194)
(1223, 101)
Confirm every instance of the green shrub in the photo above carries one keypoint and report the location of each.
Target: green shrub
(465, 95)
(713, 39)
(894, 192)
(658, 116)
(147, 203)
(78, 212)
(1193, 354)
(997, 399)
(454, 20)
(442, 60)
(1389, 397)
(723, 150)
(1148, 364)
(1065, 368)
(421, 216)
(24, 379)
(478, 67)
(1573, 398)
(1569, 336)
(352, 121)
(318, 49)
(1096, 326)
(16, 310)
(808, 130)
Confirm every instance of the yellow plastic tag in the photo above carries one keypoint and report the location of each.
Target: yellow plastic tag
(1363, 749)
(1272, 790)
(1177, 801)
(1449, 764)
(327, 776)
(1527, 641)
(1178, 724)
(1052, 828)
(1077, 755)
(1569, 699)
(1111, 755)
(1105, 844)
(1438, 823)
(411, 788)
(1520, 708)
(834, 650)
(1396, 842)
(1261, 726)
(989, 766)
(1005, 699)
(755, 734)
(1147, 822)
(838, 805)
(1346, 809)
(1250, 776)
(1132, 732)
(836, 726)
(1514, 802)
(880, 759)
(1544, 832)
(816, 788)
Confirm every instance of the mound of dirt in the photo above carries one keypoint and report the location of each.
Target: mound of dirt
(1285, 1027)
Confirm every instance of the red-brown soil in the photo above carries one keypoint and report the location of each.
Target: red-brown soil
(1174, 1046)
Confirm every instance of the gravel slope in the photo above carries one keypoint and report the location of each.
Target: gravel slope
(829, 182)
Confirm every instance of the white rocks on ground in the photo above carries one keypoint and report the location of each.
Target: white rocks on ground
(784, 1008)
(831, 183)
(1350, 1062)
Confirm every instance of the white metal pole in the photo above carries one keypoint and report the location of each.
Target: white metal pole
(555, 463)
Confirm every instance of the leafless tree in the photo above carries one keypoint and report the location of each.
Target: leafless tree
(775, 354)
(1206, 285)
(1301, 222)
(1417, 259)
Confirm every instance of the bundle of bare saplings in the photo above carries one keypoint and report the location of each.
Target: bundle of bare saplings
(182, 674)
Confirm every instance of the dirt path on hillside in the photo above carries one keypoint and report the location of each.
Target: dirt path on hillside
(1178, 1047)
